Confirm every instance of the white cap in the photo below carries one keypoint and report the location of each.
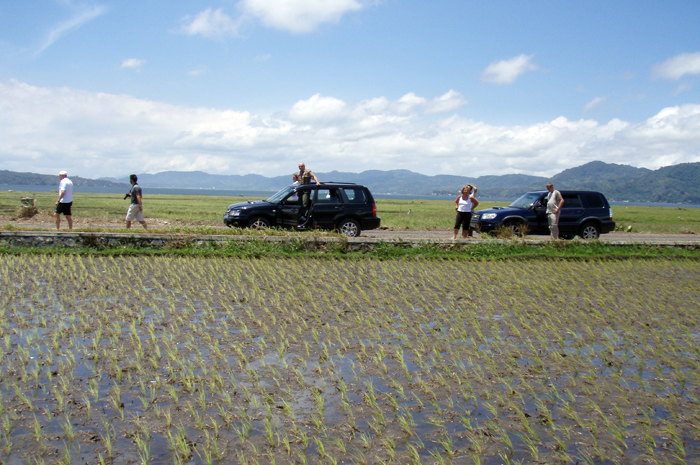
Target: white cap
(63, 173)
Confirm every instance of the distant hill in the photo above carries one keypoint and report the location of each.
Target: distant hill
(33, 179)
(670, 184)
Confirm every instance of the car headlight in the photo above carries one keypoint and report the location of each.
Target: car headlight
(234, 212)
(488, 216)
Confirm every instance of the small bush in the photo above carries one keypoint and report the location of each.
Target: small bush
(27, 211)
(511, 231)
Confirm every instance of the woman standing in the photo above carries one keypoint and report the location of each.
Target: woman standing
(465, 205)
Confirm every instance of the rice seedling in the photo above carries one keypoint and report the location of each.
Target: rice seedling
(379, 357)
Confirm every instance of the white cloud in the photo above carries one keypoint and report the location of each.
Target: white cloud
(594, 103)
(677, 67)
(682, 88)
(96, 134)
(198, 71)
(507, 71)
(317, 109)
(212, 24)
(133, 63)
(81, 15)
(450, 101)
(298, 16)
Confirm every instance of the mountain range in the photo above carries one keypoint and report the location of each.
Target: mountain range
(669, 184)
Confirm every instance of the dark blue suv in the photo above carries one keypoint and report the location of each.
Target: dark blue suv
(585, 213)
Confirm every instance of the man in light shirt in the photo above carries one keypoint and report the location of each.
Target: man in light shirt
(554, 204)
(65, 200)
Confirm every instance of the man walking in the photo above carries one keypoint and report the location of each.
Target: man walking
(554, 204)
(136, 206)
(65, 200)
(305, 177)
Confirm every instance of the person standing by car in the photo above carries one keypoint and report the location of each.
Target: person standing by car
(305, 176)
(65, 200)
(554, 204)
(465, 205)
(295, 182)
(136, 205)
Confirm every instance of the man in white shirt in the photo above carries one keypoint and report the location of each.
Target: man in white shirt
(554, 204)
(65, 200)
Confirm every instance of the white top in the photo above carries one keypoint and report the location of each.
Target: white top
(294, 197)
(554, 198)
(66, 185)
(465, 205)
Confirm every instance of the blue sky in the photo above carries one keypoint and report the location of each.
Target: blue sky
(107, 88)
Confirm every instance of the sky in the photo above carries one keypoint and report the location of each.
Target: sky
(106, 88)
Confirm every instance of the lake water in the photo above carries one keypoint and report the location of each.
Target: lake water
(263, 194)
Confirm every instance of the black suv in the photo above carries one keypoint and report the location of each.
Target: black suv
(347, 207)
(584, 213)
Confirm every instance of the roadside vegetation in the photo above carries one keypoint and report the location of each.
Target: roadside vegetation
(118, 359)
(332, 248)
(204, 213)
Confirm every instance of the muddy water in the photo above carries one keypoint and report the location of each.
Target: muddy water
(185, 360)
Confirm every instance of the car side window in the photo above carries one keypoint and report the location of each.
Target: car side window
(355, 195)
(328, 196)
(572, 201)
(594, 200)
(293, 199)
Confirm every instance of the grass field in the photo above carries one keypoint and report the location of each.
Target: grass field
(215, 360)
(400, 214)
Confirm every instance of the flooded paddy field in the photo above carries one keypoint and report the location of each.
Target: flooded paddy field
(129, 360)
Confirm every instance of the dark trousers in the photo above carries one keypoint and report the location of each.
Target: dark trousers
(304, 209)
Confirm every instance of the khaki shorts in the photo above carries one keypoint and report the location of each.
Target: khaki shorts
(134, 213)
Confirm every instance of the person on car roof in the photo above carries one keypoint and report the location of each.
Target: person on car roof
(305, 177)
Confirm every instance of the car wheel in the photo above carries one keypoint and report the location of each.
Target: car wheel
(589, 231)
(349, 227)
(259, 223)
(515, 227)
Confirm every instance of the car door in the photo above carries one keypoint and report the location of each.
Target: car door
(538, 222)
(327, 207)
(571, 213)
(288, 211)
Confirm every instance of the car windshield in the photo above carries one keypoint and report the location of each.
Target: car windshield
(526, 200)
(281, 195)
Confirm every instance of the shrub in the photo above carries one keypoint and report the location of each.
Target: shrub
(27, 211)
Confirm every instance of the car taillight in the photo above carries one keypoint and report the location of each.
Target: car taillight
(611, 213)
(374, 209)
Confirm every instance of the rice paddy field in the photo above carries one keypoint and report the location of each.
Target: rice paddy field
(166, 359)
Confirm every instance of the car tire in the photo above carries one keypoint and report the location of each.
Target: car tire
(515, 226)
(259, 223)
(589, 231)
(349, 227)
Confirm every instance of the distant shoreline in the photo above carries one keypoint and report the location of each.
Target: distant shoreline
(250, 193)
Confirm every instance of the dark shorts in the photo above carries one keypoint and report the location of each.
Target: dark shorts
(64, 208)
(463, 219)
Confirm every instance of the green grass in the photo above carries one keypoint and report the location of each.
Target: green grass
(397, 214)
(113, 206)
(344, 250)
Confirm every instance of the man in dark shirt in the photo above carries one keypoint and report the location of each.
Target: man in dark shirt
(305, 177)
(136, 206)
